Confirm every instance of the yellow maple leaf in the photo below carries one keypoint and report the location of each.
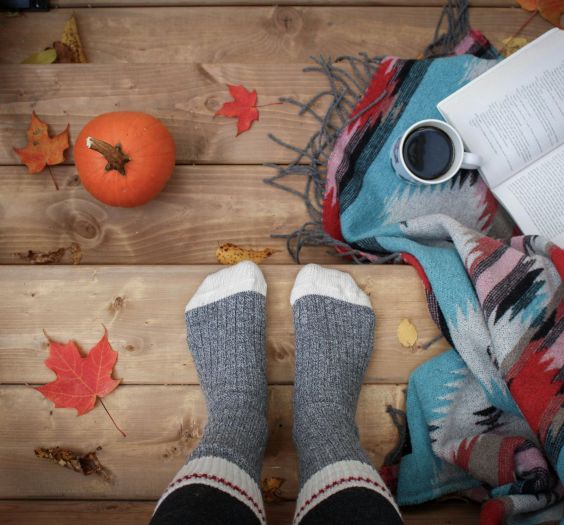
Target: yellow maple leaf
(407, 333)
(512, 44)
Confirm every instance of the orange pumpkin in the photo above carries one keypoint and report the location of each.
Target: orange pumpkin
(124, 158)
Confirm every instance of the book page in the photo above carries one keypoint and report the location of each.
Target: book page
(514, 113)
(535, 197)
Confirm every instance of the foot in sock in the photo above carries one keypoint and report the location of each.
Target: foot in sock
(334, 325)
(226, 334)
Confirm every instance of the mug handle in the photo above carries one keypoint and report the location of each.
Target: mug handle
(470, 161)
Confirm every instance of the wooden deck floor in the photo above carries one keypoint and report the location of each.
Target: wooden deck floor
(173, 61)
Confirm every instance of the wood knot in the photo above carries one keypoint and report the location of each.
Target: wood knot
(73, 181)
(287, 20)
(85, 228)
(212, 103)
(279, 351)
(80, 219)
(117, 304)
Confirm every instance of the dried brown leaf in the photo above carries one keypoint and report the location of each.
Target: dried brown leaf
(229, 253)
(71, 39)
(52, 257)
(86, 464)
(75, 253)
(65, 54)
(270, 488)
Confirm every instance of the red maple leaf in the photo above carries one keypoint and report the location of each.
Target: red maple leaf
(80, 380)
(243, 107)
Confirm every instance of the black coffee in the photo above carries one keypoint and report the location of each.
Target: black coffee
(428, 152)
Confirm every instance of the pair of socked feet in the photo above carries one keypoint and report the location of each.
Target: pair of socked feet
(334, 324)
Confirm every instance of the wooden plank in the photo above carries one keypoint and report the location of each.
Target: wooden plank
(201, 207)
(184, 98)
(222, 3)
(281, 34)
(163, 424)
(16, 512)
(143, 309)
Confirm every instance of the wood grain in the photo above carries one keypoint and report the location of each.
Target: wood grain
(163, 424)
(184, 98)
(201, 207)
(135, 512)
(143, 309)
(281, 34)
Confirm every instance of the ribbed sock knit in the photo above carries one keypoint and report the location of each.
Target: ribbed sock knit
(334, 325)
(226, 334)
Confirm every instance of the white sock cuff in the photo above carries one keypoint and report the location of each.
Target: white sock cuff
(315, 280)
(223, 475)
(336, 477)
(242, 277)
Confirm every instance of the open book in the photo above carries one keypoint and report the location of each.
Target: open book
(513, 117)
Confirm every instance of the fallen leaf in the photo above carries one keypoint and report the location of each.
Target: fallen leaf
(229, 253)
(54, 256)
(80, 380)
(512, 44)
(75, 253)
(407, 333)
(270, 488)
(551, 10)
(64, 53)
(41, 149)
(48, 56)
(86, 464)
(243, 107)
(70, 41)
(68, 50)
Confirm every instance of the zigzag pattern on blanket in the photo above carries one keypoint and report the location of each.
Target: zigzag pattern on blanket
(522, 299)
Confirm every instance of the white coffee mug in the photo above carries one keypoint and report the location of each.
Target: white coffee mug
(462, 159)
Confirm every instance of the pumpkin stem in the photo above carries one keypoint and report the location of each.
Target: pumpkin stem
(115, 156)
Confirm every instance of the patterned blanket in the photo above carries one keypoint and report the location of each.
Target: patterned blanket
(486, 417)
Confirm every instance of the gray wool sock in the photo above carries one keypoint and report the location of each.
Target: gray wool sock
(226, 334)
(226, 320)
(334, 325)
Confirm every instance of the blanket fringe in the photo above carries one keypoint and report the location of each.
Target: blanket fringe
(347, 77)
